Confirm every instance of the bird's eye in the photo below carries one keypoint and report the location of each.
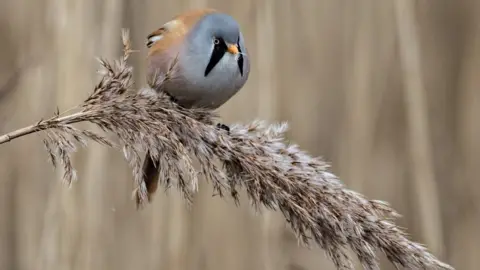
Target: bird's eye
(216, 41)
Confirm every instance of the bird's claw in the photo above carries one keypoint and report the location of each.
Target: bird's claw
(224, 127)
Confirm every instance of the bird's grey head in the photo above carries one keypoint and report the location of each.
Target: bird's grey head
(214, 57)
(217, 35)
(221, 26)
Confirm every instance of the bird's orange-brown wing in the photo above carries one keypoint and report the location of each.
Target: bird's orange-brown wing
(191, 17)
(163, 43)
(173, 32)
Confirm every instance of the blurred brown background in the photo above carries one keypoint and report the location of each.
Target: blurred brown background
(387, 91)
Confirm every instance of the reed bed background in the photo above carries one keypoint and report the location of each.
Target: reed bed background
(386, 91)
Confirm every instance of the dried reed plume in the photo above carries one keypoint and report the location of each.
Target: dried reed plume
(276, 175)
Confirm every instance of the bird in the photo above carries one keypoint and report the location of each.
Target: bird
(204, 56)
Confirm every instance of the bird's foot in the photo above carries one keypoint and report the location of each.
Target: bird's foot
(224, 127)
(172, 98)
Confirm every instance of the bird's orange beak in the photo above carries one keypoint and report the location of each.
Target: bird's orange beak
(233, 49)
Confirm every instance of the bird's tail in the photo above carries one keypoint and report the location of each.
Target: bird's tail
(150, 177)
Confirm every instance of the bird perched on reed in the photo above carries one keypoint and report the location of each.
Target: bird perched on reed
(199, 59)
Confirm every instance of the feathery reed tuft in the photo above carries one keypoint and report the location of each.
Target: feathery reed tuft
(255, 157)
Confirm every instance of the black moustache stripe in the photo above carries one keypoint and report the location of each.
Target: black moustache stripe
(240, 60)
(217, 54)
